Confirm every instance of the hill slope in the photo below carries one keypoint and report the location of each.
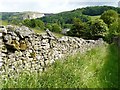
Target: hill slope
(82, 13)
(21, 15)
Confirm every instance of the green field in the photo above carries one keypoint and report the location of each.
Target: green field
(3, 22)
(94, 17)
(97, 68)
(43, 32)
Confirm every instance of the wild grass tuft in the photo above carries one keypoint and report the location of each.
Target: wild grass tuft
(97, 68)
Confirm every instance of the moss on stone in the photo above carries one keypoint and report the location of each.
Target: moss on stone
(15, 44)
(33, 54)
(23, 45)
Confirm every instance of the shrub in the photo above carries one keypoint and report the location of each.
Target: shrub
(109, 17)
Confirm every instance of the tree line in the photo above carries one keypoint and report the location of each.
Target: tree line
(80, 23)
(107, 27)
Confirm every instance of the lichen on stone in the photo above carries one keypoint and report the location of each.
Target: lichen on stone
(23, 45)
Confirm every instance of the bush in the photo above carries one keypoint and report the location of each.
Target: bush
(113, 21)
(78, 28)
(92, 29)
(109, 17)
(34, 23)
(56, 28)
(98, 28)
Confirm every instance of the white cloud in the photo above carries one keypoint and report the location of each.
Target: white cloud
(45, 5)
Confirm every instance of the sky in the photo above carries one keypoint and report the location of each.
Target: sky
(50, 6)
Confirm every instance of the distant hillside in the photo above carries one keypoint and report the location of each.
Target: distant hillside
(98, 10)
(21, 15)
(82, 13)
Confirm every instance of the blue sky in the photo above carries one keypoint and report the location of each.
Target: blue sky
(50, 6)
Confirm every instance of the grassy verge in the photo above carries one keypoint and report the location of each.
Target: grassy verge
(43, 31)
(97, 68)
(3, 22)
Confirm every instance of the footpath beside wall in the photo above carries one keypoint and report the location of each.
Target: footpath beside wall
(22, 49)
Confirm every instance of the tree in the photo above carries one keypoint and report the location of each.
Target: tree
(26, 22)
(109, 17)
(98, 10)
(48, 26)
(39, 24)
(98, 28)
(113, 20)
(56, 28)
(78, 28)
(29, 23)
(34, 23)
(114, 30)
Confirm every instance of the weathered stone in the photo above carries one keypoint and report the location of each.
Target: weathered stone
(44, 36)
(51, 36)
(15, 44)
(10, 27)
(8, 38)
(33, 54)
(18, 53)
(24, 31)
(17, 38)
(3, 29)
(28, 54)
(52, 61)
(1, 63)
(12, 33)
(22, 49)
(38, 57)
(23, 45)
(1, 35)
(42, 63)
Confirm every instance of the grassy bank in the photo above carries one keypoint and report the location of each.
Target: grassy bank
(97, 68)
(3, 22)
(58, 35)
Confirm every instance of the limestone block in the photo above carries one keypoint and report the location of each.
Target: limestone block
(8, 38)
(18, 53)
(3, 29)
(1, 35)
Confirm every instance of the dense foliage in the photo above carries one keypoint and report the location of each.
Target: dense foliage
(112, 19)
(93, 11)
(56, 28)
(78, 28)
(109, 17)
(98, 28)
(64, 18)
(34, 23)
(92, 29)
(108, 26)
(79, 21)
(67, 17)
(98, 10)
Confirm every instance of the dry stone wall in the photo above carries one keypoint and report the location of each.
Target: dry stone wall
(22, 49)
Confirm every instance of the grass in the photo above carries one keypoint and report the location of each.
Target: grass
(3, 22)
(97, 68)
(43, 31)
(94, 17)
